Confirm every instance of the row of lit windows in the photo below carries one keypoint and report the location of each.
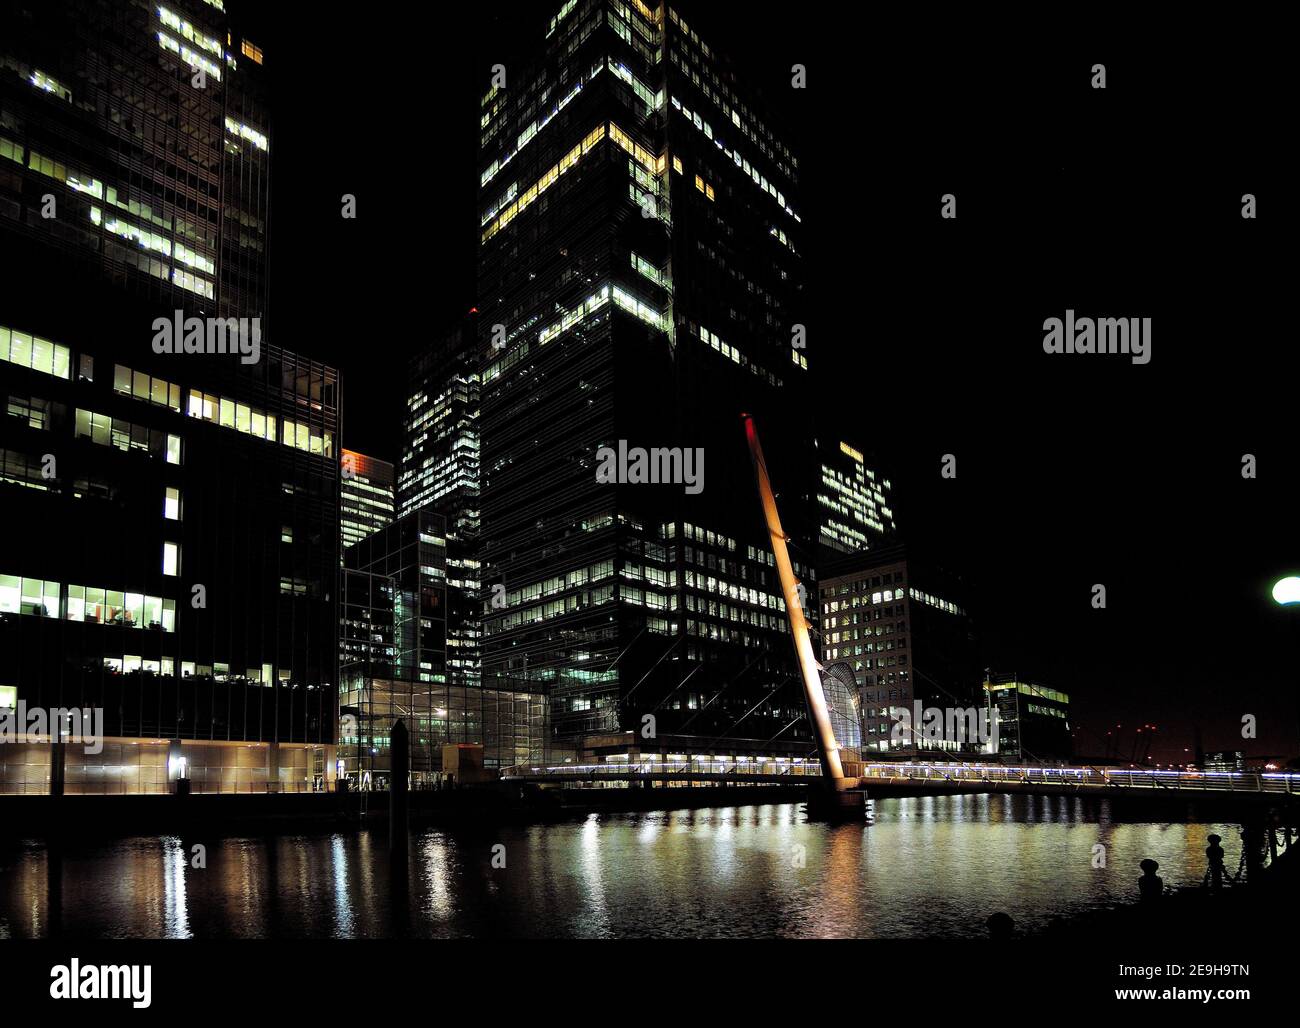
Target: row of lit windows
(712, 340)
(143, 387)
(187, 31)
(33, 352)
(1029, 689)
(147, 239)
(740, 161)
(86, 603)
(193, 58)
(863, 584)
(637, 597)
(547, 179)
(934, 601)
(558, 584)
(556, 608)
(531, 132)
(241, 131)
(91, 186)
(107, 431)
(728, 590)
(726, 109)
(739, 615)
(250, 421)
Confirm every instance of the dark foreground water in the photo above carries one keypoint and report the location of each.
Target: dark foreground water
(927, 867)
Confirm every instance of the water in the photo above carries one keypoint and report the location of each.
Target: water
(927, 867)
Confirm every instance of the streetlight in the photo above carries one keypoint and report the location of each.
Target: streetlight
(1286, 591)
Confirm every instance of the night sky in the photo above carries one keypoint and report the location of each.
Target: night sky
(925, 334)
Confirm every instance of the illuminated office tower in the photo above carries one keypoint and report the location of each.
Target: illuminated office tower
(1033, 720)
(135, 138)
(440, 472)
(171, 518)
(902, 627)
(853, 501)
(640, 281)
(367, 497)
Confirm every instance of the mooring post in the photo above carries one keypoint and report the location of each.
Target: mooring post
(398, 777)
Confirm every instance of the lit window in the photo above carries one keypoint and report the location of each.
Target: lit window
(35, 353)
(10, 594)
(173, 449)
(286, 534)
(252, 52)
(171, 558)
(172, 504)
(677, 165)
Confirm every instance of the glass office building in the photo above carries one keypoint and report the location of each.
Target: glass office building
(640, 285)
(171, 517)
(367, 497)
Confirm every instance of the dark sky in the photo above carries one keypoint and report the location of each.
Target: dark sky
(925, 335)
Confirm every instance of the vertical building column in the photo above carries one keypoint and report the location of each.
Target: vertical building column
(273, 767)
(331, 768)
(58, 763)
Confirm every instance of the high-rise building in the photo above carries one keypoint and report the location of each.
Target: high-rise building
(440, 472)
(853, 502)
(136, 139)
(1033, 720)
(902, 627)
(171, 516)
(640, 288)
(367, 497)
(440, 453)
(394, 666)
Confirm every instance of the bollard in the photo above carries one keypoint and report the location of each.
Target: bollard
(398, 780)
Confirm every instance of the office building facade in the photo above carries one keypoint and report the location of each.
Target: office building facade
(1033, 720)
(440, 472)
(394, 666)
(902, 627)
(172, 515)
(640, 288)
(368, 497)
(854, 505)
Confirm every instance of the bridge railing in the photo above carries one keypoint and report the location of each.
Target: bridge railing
(668, 768)
(1127, 778)
(1080, 777)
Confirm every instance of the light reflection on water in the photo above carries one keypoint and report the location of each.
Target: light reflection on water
(928, 866)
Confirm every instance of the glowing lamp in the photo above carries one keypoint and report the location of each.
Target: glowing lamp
(1287, 590)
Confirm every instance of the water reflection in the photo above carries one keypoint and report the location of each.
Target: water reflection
(928, 866)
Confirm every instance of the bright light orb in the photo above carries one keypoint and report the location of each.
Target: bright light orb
(1287, 590)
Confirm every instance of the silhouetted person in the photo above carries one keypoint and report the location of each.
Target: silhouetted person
(1150, 886)
(1000, 926)
(1252, 846)
(1214, 862)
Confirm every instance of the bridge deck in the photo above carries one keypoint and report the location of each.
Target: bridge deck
(944, 777)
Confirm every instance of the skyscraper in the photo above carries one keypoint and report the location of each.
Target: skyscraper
(172, 514)
(640, 287)
(853, 501)
(440, 472)
(367, 497)
(136, 138)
